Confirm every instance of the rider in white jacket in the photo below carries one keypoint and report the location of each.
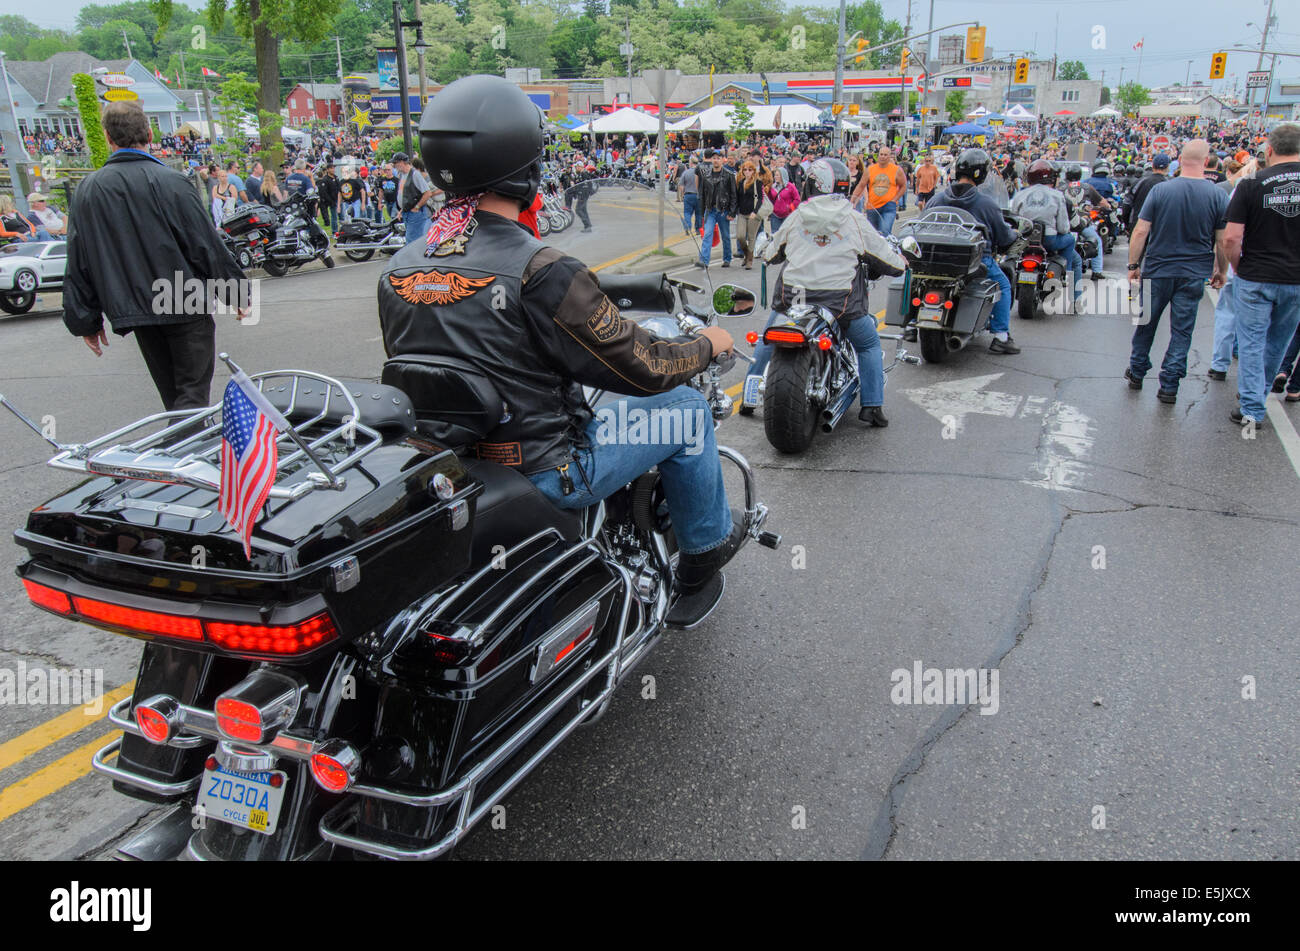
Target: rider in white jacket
(824, 242)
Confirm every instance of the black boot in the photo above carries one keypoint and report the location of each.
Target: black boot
(875, 415)
(699, 578)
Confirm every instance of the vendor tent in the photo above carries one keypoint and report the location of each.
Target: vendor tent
(1106, 112)
(720, 118)
(967, 128)
(1019, 113)
(624, 120)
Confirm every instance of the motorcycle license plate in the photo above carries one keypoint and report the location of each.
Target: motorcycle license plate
(1027, 277)
(248, 800)
(934, 314)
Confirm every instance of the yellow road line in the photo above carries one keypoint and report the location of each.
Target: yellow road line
(50, 779)
(65, 724)
(668, 243)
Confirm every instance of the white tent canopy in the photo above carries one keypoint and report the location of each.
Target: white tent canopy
(1106, 111)
(622, 120)
(249, 127)
(719, 119)
(980, 111)
(1021, 114)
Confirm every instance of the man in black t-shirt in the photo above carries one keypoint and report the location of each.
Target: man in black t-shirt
(1262, 242)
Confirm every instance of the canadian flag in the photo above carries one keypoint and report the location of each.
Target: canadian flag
(1138, 44)
(210, 72)
(159, 75)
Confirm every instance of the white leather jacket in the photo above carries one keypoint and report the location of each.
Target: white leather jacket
(822, 240)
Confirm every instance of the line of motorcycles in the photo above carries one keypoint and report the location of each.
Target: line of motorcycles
(278, 239)
(1039, 273)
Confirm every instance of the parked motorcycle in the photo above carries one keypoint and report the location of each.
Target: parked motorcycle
(946, 293)
(277, 240)
(415, 630)
(360, 238)
(813, 379)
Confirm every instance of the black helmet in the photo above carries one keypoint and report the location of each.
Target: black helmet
(1101, 170)
(1073, 174)
(1040, 172)
(972, 164)
(481, 133)
(826, 176)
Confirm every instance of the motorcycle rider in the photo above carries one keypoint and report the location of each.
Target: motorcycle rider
(483, 289)
(1041, 202)
(1078, 191)
(823, 241)
(970, 172)
(1102, 183)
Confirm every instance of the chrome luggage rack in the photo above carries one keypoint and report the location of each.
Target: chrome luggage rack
(187, 451)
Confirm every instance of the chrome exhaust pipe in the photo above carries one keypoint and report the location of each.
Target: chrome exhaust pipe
(831, 416)
(955, 342)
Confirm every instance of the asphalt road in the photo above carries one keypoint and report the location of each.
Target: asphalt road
(1125, 567)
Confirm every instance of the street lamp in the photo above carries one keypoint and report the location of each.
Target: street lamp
(404, 85)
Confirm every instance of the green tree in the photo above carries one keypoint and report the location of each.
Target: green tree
(267, 23)
(1105, 95)
(955, 105)
(1072, 69)
(83, 86)
(742, 119)
(1130, 97)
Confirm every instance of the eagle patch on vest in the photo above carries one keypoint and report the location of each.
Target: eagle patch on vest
(437, 287)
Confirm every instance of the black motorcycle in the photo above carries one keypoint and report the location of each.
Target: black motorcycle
(279, 239)
(415, 630)
(360, 238)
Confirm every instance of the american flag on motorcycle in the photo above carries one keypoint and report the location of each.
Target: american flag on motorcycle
(249, 428)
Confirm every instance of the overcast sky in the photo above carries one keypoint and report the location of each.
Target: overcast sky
(1174, 33)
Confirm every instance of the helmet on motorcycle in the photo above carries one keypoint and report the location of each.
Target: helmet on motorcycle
(1073, 174)
(481, 133)
(1041, 173)
(826, 176)
(1101, 170)
(1121, 169)
(972, 164)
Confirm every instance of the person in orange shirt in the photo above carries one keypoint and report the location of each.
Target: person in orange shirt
(883, 185)
(927, 180)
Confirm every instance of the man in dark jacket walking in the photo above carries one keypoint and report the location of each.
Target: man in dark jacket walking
(718, 204)
(140, 244)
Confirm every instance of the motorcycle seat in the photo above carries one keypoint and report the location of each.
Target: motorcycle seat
(639, 291)
(511, 509)
(383, 408)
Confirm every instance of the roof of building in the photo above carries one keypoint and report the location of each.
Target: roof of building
(50, 80)
(325, 90)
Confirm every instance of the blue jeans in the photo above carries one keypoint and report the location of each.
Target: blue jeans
(706, 240)
(1000, 321)
(777, 221)
(883, 217)
(1182, 295)
(1090, 233)
(618, 453)
(329, 217)
(1225, 329)
(1291, 364)
(1267, 317)
(861, 332)
(1066, 243)
(352, 209)
(417, 225)
(691, 219)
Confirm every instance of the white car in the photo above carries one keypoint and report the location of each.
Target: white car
(29, 266)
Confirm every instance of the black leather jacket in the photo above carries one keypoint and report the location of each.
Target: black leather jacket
(537, 324)
(717, 190)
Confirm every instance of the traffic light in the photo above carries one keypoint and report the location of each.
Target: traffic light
(1218, 65)
(975, 44)
(837, 108)
(862, 45)
(906, 55)
(1022, 71)
(854, 108)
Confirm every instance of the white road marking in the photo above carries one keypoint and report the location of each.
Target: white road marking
(1286, 432)
(961, 398)
(1064, 449)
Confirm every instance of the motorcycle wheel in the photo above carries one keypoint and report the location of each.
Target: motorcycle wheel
(274, 268)
(789, 416)
(543, 225)
(1027, 301)
(934, 349)
(563, 221)
(244, 259)
(17, 303)
(357, 256)
(329, 260)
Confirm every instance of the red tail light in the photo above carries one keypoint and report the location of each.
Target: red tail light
(785, 336)
(1029, 264)
(933, 297)
(751, 338)
(335, 765)
(142, 622)
(254, 220)
(947, 305)
(824, 342)
(48, 598)
(273, 639)
(239, 720)
(158, 717)
(916, 302)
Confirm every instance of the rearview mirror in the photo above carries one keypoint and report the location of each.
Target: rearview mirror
(732, 301)
(910, 247)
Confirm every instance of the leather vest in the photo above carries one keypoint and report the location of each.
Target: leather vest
(466, 303)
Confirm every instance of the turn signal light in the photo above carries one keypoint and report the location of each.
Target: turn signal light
(916, 302)
(824, 342)
(335, 765)
(155, 718)
(947, 305)
(751, 338)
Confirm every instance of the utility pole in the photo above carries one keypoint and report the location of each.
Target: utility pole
(627, 38)
(185, 77)
(338, 51)
(925, 99)
(902, 83)
(837, 137)
(419, 61)
(1259, 61)
(129, 54)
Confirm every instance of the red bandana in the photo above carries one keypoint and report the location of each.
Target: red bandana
(452, 220)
